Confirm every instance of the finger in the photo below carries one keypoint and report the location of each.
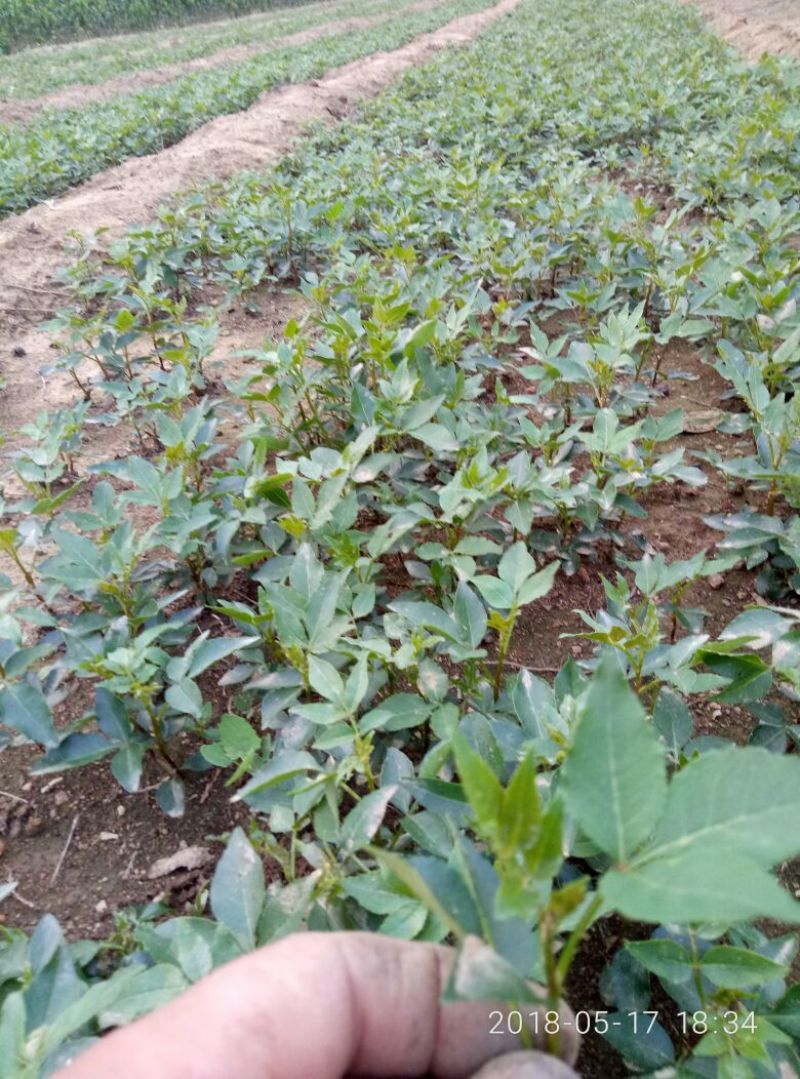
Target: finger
(526, 1066)
(323, 1004)
(458, 1038)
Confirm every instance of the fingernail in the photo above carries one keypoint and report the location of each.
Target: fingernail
(525, 1065)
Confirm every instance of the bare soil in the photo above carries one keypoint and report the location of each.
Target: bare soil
(20, 111)
(756, 26)
(82, 849)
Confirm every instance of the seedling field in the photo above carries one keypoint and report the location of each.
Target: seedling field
(409, 537)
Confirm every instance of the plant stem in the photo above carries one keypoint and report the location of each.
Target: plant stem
(502, 649)
(575, 937)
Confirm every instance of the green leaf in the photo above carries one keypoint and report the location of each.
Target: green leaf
(406, 922)
(281, 768)
(237, 736)
(673, 721)
(185, 697)
(534, 704)
(126, 766)
(214, 649)
(371, 892)
(195, 945)
(743, 798)
(112, 715)
(516, 566)
(23, 708)
(171, 797)
(479, 973)
(521, 810)
(355, 688)
(497, 593)
(646, 1046)
(409, 871)
(538, 585)
(614, 779)
(420, 412)
(73, 751)
(12, 1031)
(237, 889)
(437, 437)
(362, 822)
(149, 990)
(399, 712)
(481, 786)
(786, 1014)
(287, 908)
(738, 968)
(733, 1067)
(707, 882)
(470, 615)
(98, 998)
(325, 680)
(665, 958)
(749, 677)
(763, 625)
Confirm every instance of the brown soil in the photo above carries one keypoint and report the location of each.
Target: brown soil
(19, 111)
(116, 839)
(756, 26)
(32, 244)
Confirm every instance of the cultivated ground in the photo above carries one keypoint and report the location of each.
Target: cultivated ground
(75, 844)
(116, 842)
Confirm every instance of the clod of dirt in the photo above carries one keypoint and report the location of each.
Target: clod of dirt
(701, 423)
(18, 818)
(187, 858)
(716, 581)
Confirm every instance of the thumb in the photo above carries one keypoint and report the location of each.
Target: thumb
(526, 1065)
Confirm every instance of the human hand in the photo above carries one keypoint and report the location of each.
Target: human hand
(322, 1006)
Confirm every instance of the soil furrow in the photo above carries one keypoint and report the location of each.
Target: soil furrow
(74, 97)
(756, 27)
(32, 244)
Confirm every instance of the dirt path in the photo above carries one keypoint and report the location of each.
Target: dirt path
(756, 26)
(19, 111)
(32, 244)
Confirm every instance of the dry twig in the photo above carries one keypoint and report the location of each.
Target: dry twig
(57, 869)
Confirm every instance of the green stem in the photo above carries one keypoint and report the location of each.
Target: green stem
(575, 937)
(502, 649)
(158, 737)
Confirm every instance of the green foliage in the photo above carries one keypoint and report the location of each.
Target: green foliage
(63, 147)
(36, 22)
(35, 72)
(321, 573)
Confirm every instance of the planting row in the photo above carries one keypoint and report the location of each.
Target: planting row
(32, 73)
(62, 148)
(32, 22)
